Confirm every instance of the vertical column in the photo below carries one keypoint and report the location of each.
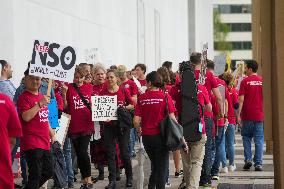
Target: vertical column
(278, 94)
(262, 52)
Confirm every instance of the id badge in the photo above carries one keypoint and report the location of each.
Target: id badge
(200, 127)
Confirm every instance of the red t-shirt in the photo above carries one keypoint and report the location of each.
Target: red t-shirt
(35, 131)
(168, 88)
(123, 98)
(251, 88)
(131, 86)
(9, 127)
(59, 101)
(203, 98)
(98, 88)
(81, 118)
(151, 108)
(178, 79)
(232, 99)
(143, 82)
(210, 83)
(215, 105)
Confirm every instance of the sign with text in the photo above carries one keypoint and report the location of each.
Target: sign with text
(53, 61)
(104, 108)
(92, 56)
(61, 132)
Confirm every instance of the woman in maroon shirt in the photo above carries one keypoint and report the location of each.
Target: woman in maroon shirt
(150, 111)
(112, 131)
(81, 125)
(35, 143)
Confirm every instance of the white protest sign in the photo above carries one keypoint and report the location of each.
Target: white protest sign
(104, 108)
(53, 61)
(61, 131)
(92, 56)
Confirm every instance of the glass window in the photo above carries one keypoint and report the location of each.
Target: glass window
(227, 9)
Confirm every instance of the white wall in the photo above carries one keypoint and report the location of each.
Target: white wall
(109, 25)
(201, 25)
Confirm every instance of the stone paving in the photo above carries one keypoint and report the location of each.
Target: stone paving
(238, 179)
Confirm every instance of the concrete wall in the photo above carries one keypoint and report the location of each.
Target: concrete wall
(201, 25)
(109, 25)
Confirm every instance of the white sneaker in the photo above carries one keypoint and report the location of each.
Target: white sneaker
(168, 183)
(232, 168)
(224, 170)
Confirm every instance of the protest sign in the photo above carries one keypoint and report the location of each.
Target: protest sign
(61, 131)
(53, 114)
(104, 108)
(53, 61)
(92, 56)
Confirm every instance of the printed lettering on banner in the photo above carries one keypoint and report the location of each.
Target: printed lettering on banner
(61, 131)
(53, 61)
(104, 108)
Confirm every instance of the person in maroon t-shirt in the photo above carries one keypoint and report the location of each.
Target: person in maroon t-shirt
(10, 129)
(113, 132)
(251, 114)
(211, 86)
(81, 124)
(165, 75)
(149, 112)
(35, 143)
(230, 131)
(198, 148)
(97, 147)
(140, 70)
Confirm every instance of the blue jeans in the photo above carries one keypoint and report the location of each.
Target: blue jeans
(220, 152)
(68, 161)
(230, 143)
(253, 129)
(132, 140)
(205, 177)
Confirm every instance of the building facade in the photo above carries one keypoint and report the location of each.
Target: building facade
(237, 14)
(124, 31)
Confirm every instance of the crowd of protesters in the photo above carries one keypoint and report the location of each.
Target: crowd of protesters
(24, 124)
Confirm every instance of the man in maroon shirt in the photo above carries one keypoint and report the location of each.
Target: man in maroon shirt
(211, 86)
(10, 128)
(251, 114)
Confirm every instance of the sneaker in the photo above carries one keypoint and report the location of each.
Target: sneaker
(215, 177)
(258, 168)
(179, 174)
(247, 166)
(232, 168)
(168, 183)
(224, 170)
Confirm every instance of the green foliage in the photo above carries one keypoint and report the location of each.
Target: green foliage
(221, 31)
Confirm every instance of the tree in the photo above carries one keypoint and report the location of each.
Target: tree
(221, 31)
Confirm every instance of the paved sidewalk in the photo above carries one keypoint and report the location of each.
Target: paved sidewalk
(236, 180)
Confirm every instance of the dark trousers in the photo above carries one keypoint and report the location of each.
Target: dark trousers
(159, 157)
(81, 144)
(112, 134)
(207, 161)
(40, 167)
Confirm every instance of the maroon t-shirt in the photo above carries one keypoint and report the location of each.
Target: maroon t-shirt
(251, 89)
(210, 83)
(131, 87)
(81, 118)
(123, 98)
(143, 82)
(98, 88)
(232, 99)
(9, 127)
(35, 131)
(151, 108)
(215, 105)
